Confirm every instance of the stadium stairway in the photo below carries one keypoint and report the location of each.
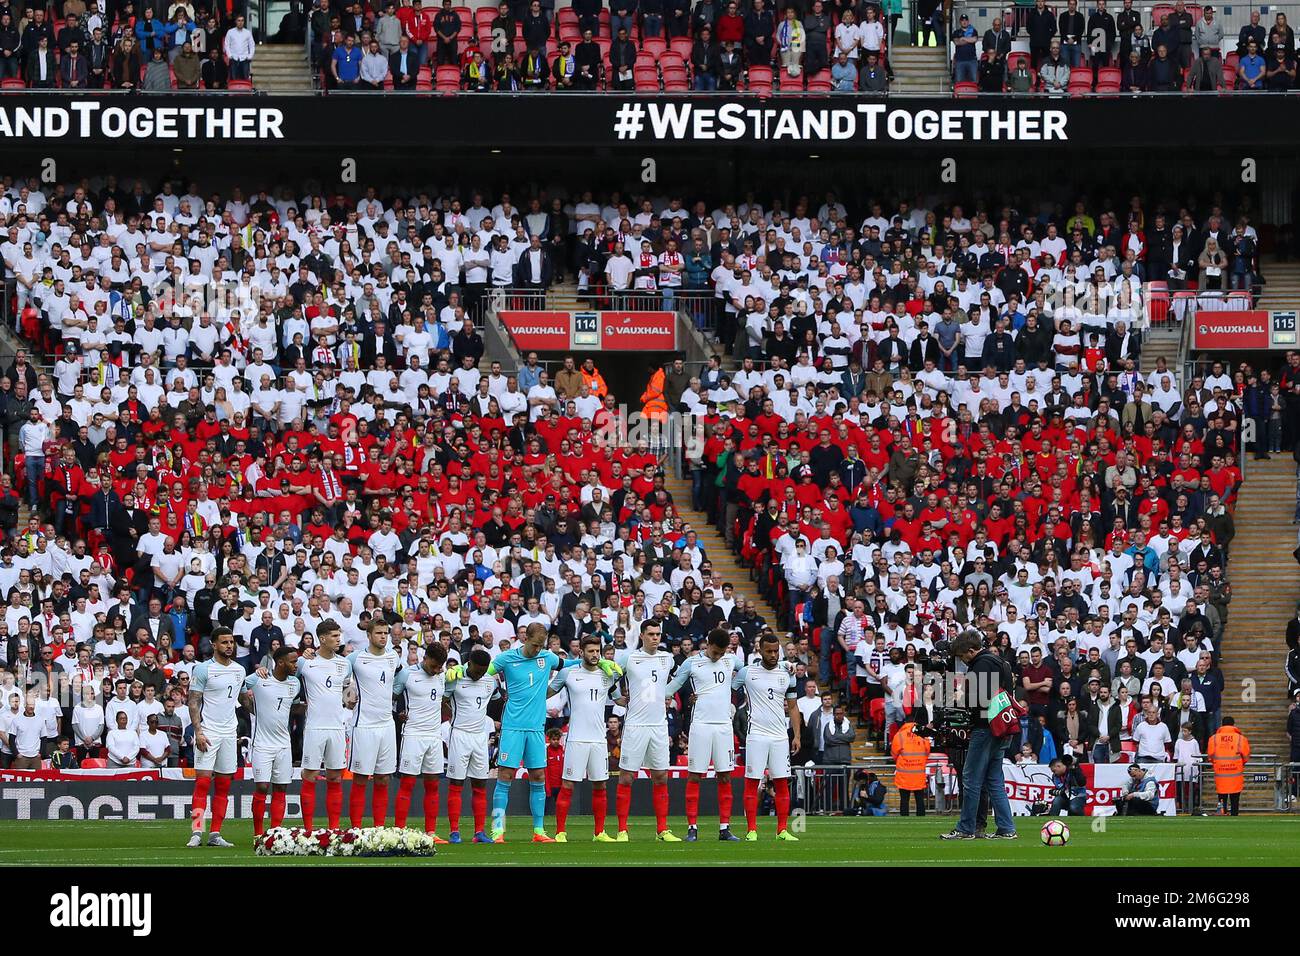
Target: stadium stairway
(729, 566)
(920, 69)
(1282, 290)
(724, 561)
(281, 68)
(1265, 588)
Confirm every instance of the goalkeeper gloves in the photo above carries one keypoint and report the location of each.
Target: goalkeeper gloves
(610, 668)
(455, 672)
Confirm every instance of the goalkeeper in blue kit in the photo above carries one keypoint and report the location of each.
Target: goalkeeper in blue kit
(525, 672)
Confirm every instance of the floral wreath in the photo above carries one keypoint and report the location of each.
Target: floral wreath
(363, 841)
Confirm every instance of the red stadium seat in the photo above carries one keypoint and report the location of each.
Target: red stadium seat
(673, 57)
(653, 45)
(240, 86)
(94, 763)
(965, 89)
(12, 83)
(820, 82)
(676, 84)
(682, 46)
(876, 713)
(1014, 60)
(1081, 76)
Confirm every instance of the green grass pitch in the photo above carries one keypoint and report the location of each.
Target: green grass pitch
(825, 841)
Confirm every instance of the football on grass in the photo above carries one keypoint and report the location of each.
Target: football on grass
(1054, 833)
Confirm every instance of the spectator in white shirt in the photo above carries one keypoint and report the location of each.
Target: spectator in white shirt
(123, 744)
(154, 745)
(1152, 737)
(25, 731)
(240, 47)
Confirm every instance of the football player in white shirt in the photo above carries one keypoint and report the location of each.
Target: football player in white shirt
(467, 747)
(423, 690)
(214, 694)
(711, 741)
(324, 740)
(645, 728)
(270, 698)
(586, 754)
(374, 735)
(770, 689)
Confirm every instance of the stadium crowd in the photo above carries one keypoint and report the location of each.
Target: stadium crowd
(268, 411)
(627, 45)
(1180, 47)
(151, 46)
(937, 426)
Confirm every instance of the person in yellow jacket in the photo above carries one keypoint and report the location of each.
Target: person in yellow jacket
(653, 404)
(594, 380)
(1228, 752)
(911, 752)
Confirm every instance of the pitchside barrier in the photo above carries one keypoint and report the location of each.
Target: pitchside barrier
(817, 790)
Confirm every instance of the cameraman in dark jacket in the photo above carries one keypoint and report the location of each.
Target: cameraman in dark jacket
(986, 676)
(1071, 790)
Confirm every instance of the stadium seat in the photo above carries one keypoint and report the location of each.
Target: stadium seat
(673, 57)
(1014, 59)
(966, 89)
(682, 46)
(1080, 76)
(240, 86)
(820, 82)
(654, 45)
(12, 83)
(94, 763)
(676, 84)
